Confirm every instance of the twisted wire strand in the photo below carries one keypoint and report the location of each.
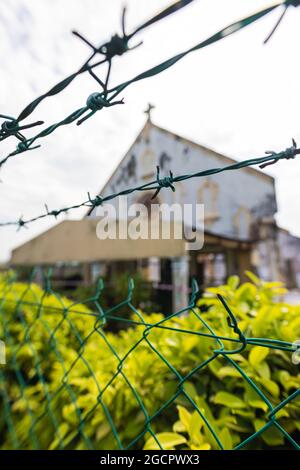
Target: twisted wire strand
(107, 96)
(116, 46)
(159, 183)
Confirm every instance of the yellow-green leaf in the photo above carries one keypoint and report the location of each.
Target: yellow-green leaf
(196, 424)
(167, 440)
(253, 278)
(257, 355)
(233, 282)
(254, 399)
(60, 434)
(228, 371)
(271, 436)
(226, 439)
(264, 370)
(204, 446)
(184, 416)
(271, 386)
(228, 399)
(179, 427)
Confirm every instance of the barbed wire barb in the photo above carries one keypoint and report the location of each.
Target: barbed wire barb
(286, 5)
(288, 154)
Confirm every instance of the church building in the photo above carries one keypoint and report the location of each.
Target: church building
(240, 231)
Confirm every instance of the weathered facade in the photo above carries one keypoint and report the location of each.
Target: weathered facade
(239, 208)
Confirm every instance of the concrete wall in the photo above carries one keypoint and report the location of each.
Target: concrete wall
(290, 258)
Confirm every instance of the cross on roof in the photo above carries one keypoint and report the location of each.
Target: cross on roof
(148, 111)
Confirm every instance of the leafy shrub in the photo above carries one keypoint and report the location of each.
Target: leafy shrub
(116, 289)
(69, 383)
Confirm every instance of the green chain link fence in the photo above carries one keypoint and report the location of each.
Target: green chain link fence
(70, 383)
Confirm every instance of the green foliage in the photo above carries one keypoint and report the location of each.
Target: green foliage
(116, 289)
(70, 383)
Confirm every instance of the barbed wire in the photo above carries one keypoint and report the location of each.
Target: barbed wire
(99, 100)
(117, 45)
(159, 183)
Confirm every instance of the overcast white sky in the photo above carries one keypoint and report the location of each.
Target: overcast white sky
(238, 96)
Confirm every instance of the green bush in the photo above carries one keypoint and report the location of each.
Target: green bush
(116, 288)
(69, 383)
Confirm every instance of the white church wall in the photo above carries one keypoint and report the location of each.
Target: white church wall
(237, 197)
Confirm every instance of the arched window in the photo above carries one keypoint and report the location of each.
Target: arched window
(208, 195)
(242, 222)
(148, 164)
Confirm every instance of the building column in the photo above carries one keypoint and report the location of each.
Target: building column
(272, 249)
(268, 249)
(231, 264)
(244, 264)
(86, 273)
(39, 275)
(180, 281)
(153, 274)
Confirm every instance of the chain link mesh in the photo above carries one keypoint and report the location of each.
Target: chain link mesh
(65, 371)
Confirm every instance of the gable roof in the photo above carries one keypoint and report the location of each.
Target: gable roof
(227, 160)
(224, 158)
